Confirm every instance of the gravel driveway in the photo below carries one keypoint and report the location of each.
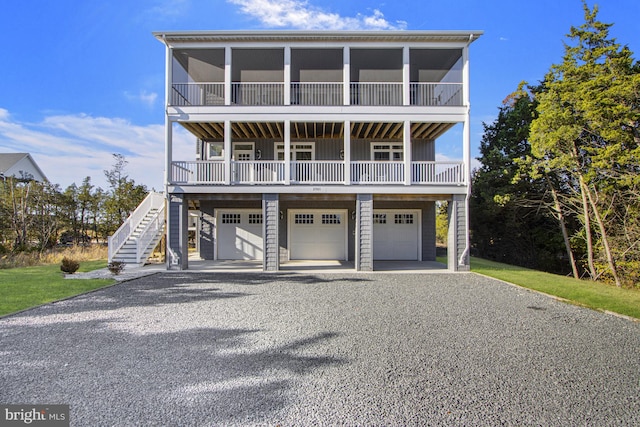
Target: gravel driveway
(322, 349)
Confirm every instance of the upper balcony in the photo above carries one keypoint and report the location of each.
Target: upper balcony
(317, 77)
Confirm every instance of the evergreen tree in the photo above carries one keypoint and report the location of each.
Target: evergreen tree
(587, 133)
(510, 219)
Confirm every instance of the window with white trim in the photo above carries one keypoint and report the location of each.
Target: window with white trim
(215, 150)
(381, 152)
(231, 218)
(304, 151)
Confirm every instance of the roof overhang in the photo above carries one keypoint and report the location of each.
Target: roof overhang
(452, 36)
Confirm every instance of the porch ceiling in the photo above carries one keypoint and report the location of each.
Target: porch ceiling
(315, 130)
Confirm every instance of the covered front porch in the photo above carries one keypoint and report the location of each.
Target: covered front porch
(317, 153)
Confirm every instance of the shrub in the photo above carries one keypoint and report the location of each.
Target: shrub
(69, 265)
(116, 267)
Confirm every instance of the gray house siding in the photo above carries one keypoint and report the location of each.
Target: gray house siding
(270, 206)
(207, 231)
(364, 232)
(330, 149)
(177, 253)
(457, 234)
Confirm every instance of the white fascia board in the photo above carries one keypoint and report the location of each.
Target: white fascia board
(319, 189)
(317, 114)
(280, 36)
(316, 45)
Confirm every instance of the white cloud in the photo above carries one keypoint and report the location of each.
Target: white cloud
(144, 97)
(70, 147)
(166, 10)
(299, 14)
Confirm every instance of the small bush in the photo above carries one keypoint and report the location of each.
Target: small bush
(69, 265)
(116, 267)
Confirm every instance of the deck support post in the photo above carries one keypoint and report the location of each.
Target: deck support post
(457, 253)
(364, 232)
(178, 234)
(270, 220)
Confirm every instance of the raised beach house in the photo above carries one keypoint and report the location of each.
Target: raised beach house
(316, 145)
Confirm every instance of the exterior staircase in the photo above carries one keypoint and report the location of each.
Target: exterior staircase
(135, 240)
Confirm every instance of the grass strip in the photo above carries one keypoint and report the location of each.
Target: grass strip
(585, 293)
(22, 288)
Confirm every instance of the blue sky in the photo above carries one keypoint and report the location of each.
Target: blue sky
(80, 79)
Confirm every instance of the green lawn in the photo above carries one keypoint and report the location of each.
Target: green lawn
(581, 292)
(22, 288)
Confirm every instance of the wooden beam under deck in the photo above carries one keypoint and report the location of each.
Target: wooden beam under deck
(316, 130)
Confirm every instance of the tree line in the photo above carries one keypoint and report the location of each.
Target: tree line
(40, 215)
(559, 185)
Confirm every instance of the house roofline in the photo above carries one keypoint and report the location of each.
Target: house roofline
(458, 36)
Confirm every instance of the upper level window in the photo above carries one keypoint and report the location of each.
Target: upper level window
(386, 152)
(215, 150)
(299, 152)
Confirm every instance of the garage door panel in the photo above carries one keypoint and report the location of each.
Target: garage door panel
(396, 235)
(240, 235)
(317, 235)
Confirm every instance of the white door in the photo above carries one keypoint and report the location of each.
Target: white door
(243, 152)
(396, 235)
(318, 234)
(239, 234)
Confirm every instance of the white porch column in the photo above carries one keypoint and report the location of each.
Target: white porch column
(168, 124)
(347, 152)
(466, 133)
(406, 77)
(346, 75)
(227, 75)
(407, 152)
(168, 151)
(227, 152)
(287, 152)
(287, 75)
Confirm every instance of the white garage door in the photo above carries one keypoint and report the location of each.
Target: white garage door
(396, 235)
(318, 234)
(239, 234)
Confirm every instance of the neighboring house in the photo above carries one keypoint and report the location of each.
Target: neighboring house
(20, 166)
(316, 145)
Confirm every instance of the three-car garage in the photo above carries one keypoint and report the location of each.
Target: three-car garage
(318, 234)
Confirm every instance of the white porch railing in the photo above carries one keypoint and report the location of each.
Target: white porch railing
(257, 93)
(316, 172)
(452, 173)
(257, 172)
(377, 172)
(118, 239)
(198, 172)
(212, 93)
(197, 94)
(436, 94)
(317, 93)
(376, 94)
(149, 234)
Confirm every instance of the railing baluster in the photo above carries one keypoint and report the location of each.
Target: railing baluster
(316, 172)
